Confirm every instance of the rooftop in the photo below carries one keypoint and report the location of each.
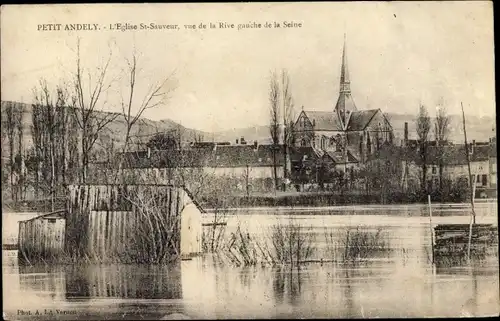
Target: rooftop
(207, 156)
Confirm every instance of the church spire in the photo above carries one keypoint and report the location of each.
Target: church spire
(345, 104)
(345, 84)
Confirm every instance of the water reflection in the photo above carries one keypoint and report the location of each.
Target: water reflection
(287, 285)
(201, 289)
(400, 282)
(104, 281)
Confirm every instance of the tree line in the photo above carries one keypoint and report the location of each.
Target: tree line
(68, 122)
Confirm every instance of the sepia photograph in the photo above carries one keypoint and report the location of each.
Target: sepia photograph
(249, 160)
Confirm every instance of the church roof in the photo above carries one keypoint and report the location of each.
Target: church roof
(360, 119)
(324, 120)
(345, 109)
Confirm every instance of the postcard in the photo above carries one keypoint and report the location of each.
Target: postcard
(249, 160)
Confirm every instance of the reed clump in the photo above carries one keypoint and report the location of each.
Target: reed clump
(355, 244)
(286, 243)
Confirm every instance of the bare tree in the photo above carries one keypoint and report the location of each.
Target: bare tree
(90, 121)
(441, 131)
(287, 105)
(10, 128)
(51, 125)
(423, 123)
(20, 151)
(274, 126)
(155, 96)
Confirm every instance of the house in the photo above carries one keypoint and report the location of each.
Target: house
(455, 167)
(242, 164)
(346, 135)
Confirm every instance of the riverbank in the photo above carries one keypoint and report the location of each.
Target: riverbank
(279, 199)
(321, 199)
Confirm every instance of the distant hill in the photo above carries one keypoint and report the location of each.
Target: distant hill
(258, 133)
(145, 128)
(478, 128)
(114, 131)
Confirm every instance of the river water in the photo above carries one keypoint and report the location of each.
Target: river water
(400, 283)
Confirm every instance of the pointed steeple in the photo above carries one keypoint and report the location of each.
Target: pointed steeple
(345, 104)
(345, 83)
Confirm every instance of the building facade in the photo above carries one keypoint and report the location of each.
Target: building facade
(234, 167)
(455, 166)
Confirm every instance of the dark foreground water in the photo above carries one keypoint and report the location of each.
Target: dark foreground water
(400, 283)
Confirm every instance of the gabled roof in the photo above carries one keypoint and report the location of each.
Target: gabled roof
(324, 120)
(219, 156)
(360, 119)
(480, 153)
(243, 155)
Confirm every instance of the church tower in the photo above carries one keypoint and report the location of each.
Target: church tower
(345, 103)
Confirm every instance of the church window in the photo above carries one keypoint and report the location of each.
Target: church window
(339, 143)
(323, 142)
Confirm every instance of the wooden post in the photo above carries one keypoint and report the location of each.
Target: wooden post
(473, 219)
(471, 185)
(468, 166)
(431, 229)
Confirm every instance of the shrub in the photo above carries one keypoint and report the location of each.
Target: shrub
(286, 244)
(355, 244)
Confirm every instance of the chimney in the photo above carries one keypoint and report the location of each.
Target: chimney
(314, 122)
(242, 141)
(406, 134)
(473, 146)
(236, 141)
(255, 144)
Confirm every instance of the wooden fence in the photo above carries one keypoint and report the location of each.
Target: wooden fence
(451, 242)
(42, 237)
(130, 223)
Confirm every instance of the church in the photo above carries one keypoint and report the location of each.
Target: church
(344, 135)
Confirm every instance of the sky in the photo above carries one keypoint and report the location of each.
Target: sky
(400, 54)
